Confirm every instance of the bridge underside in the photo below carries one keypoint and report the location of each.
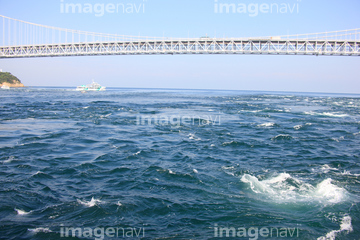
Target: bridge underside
(191, 46)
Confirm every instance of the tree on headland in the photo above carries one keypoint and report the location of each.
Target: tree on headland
(7, 78)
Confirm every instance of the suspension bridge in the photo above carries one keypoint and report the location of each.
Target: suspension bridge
(21, 39)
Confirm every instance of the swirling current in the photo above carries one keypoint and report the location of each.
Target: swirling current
(178, 164)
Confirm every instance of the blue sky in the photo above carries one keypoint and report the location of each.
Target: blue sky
(193, 18)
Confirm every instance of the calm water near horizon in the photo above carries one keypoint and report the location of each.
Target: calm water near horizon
(178, 164)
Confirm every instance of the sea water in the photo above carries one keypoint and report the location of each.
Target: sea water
(178, 164)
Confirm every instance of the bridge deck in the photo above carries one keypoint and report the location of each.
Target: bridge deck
(190, 46)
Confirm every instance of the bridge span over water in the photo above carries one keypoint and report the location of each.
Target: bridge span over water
(24, 39)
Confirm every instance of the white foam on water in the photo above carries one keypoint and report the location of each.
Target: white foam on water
(347, 173)
(282, 137)
(38, 172)
(329, 192)
(195, 171)
(137, 153)
(284, 188)
(21, 212)
(105, 116)
(165, 171)
(338, 139)
(91, 203)
(55, 216)
(119, 203)
(256, 185)
(193, 137)
(269, 124)
(229, 170)
(345, 226)
(40, 229)
(329, 114)
(309, 113)
(249, 111)
(9, 160)
(230, 173)
(226, 168)
(323, 169)
(326, 168)
(298, 127)
(281, 178)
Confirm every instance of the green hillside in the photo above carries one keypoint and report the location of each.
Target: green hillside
(9, 78)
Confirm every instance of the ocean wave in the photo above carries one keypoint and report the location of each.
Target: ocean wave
(326, 168)
(269, 124)
(9, 160)
(282, 137)
(40, 229)
(166, 170)
(93, 202)
(235, 144)
(193, 137)
(347, 173)
(345, 227)
(328, 192)
(285, 188)
(40, 174)
(327, 114)
(137, 153)
(338, 139)
(298, 127)
(21, 212)
(249, 111)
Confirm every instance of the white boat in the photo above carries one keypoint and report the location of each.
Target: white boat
(94, 86)
(5, 87)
